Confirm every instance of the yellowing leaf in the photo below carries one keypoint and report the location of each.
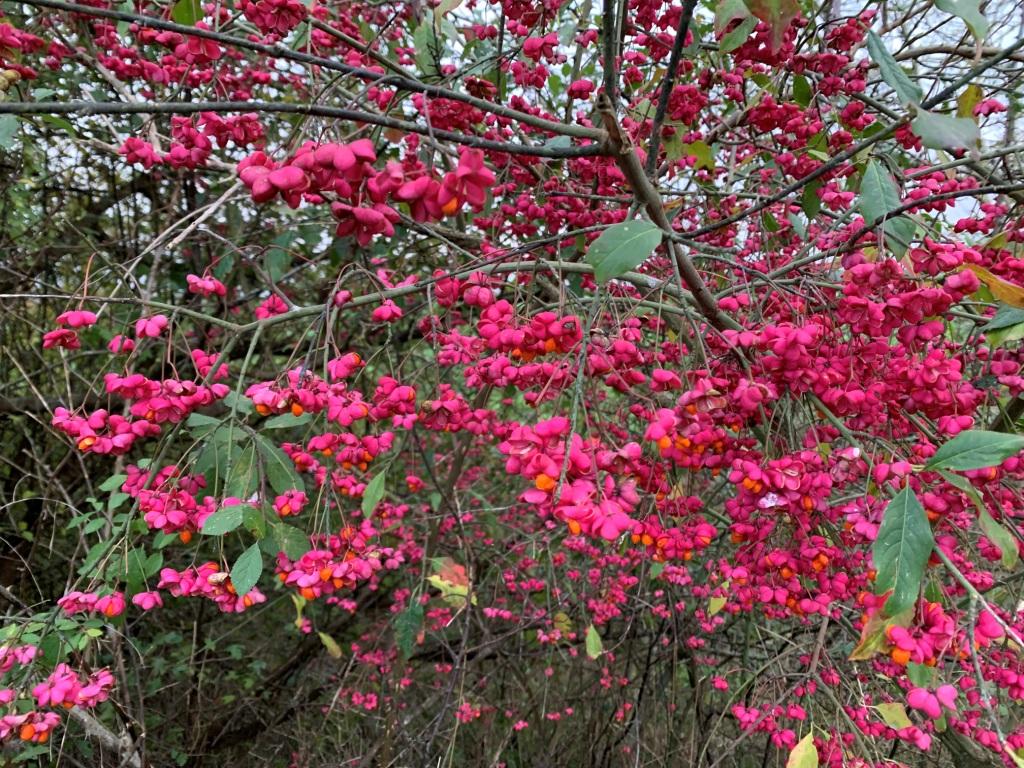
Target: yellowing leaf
(562, 623)
(715, 605)
(300, 603)
(872, 636)
(1003, 290)
(333, 649)
(968, 100)
(872, 640)
(700, 150)
(453, 573)
(777, 14)
(678, 491)
(894, 715)
(998, 241)
(804, 754)
(453, 582)
(593, 643)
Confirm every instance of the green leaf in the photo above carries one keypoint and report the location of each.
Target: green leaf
(899, 234)
(333, 649)
(238, 403)
(879, 196)
(727, 11)
(254, 520)
(223, 266)
(798, 225)
(559, 142)
(976, 449)
(622, 247)
(944, 131)
(96, 551)
(374, 492)
(894, 715)
(187, 12)
(52, 650)
(994, 531)
(247, 569)
(933, 591)
(921, 675)
(153, 564)
(801, 90)
(804, 754)
(810, 201)
(407, 628)
(277, 262)
(735, 38)
(999, 535)
(901, 551)
(286, 421)
(281, 472)
(429, 49)
(243, 478)
(224, 520)
(1006, 317)
(94, 525)
(906, 89)
(963, 484)
(1005, 336)
(132, 568)
(201, 420)
(59, 122)
(28, 754)
(113, 482)
(644, 109)
(290, 540)
(9, 126)
(593, 643)
(970, 12)
(217, 453)
(762, 80)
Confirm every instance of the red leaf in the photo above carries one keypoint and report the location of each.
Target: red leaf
(778, 14)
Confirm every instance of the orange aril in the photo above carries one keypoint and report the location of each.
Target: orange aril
(545, 483)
